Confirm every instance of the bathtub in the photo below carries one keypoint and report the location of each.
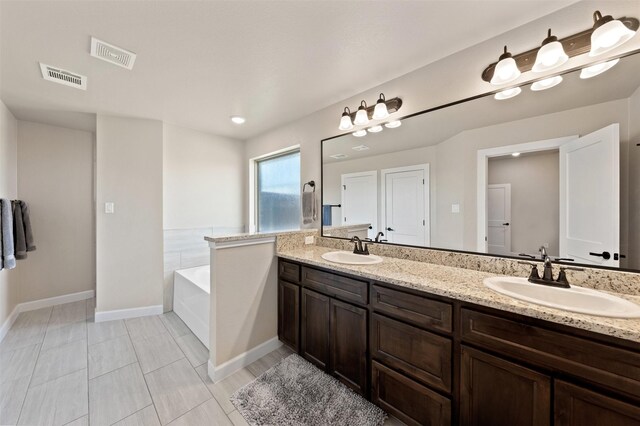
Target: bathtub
(191, 299)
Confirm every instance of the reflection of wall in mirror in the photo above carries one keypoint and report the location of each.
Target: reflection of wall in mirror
(453, 168)
(633, 255)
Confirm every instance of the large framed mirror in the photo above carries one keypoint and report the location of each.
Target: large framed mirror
(555, 171)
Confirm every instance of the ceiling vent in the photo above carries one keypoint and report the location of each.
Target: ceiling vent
(112, 54)
(338, 156)
(360, 148)
(68, 78)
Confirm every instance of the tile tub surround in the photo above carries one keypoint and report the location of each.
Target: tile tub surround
(597, 279)
(292, 237)
(466, 285)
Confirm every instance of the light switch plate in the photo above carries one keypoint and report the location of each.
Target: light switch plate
(308, 240)
(455, 208)
(109, 208)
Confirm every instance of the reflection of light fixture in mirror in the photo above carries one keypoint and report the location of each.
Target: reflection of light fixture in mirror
(547, 83)
(375, 129)
(393, 124)
(345, 120)
(608, 33)
(515, 154)
(508, 94)
(597, 69)
(237, 119)
(380, 112)
(360, 133)
(361, 116)
(506, 69)
(551, 54)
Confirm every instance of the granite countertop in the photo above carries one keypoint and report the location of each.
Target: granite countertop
(466, 285)
(248, 236)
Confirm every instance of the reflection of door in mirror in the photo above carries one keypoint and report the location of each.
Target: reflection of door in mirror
(499, 219)
(360, 200)
(405, 203)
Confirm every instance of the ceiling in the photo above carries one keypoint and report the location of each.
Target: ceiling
(441, 125)
(200, 62)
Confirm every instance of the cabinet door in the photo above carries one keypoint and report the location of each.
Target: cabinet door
(499, 393)
(315, 328)
(576, 406)
(289, 314)
(349, 345)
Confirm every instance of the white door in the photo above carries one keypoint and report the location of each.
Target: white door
(499, 218)
(590, 198)
(360, 200)
(405, 209)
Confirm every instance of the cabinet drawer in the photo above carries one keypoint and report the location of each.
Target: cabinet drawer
(289, 271)
(409, 401)
(336, 285)
(613, 367)
(415, 352)
(416, 310)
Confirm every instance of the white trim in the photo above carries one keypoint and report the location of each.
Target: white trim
(215, 245)
(129, 313)
(217, 373)
(42, 303)
(483, 177)
(427, 194)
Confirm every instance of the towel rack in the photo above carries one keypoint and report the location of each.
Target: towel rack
(311, 183)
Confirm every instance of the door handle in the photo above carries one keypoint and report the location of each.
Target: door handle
(389, 229)
(506, 224)
(605, 255)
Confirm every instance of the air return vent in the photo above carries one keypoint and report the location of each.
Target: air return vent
(113, 54)
(68, 78)
(339, 156)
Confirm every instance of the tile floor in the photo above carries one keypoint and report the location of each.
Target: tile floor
(59, 367)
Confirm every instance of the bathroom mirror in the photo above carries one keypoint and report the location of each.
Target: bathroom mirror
(557, 169)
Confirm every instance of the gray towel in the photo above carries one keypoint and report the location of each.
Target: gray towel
(309, 214)
(28, 232)
(6, 222)
(19, 240)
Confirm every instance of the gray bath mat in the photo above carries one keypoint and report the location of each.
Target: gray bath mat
(294, 392)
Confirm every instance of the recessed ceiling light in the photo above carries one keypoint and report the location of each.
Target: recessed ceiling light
(375, 129)
(515, 154)
(508, 94)
(597, 69)
(237, 119)
(360, 133)
(393, 124)
(547, 83)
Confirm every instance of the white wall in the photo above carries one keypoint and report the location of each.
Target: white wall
(129, 242)
(9, 190)
(55, 177)
(203, 180)
(633, 255)
(535, 195)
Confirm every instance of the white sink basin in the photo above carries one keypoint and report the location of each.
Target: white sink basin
(574, 299)
(349, 258)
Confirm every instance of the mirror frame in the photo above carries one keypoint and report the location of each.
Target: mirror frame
(453, 103)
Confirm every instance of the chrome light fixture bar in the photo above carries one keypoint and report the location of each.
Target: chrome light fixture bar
(365, 113)
(606, 31)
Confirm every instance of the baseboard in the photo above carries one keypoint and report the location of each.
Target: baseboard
(42, 303)
(220, 372)
(129, 313)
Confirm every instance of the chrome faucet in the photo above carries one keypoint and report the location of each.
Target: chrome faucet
(358, 248)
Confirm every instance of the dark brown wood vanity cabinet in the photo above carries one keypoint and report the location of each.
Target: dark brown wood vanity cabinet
(430, 360)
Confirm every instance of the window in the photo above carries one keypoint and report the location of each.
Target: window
(278, 192)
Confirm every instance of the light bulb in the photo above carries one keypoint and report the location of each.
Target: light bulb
(237, 119)
(362, 117)
(515, 154)
(547, 83)
(608, 33)
(393, 124)
(508, 94)
(551, 55)
(345, 120)
(597, 69)
(375, 129)
(506, 70)
(380, 112)
(360, 133)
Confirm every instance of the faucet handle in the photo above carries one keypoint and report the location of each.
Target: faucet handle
(533, 275)
(571, 268)
(526, 255)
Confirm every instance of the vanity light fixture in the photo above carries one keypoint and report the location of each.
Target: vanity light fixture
(380, 111)
(508, 94)
(393, 124)
(375, 129)
(237, 119)
(362, 117)
(547, 83)
(598, 69)
(345, 120)
(360, 133)
(506, 69)
(551, 54)
(608, 33)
